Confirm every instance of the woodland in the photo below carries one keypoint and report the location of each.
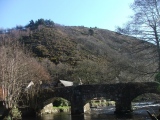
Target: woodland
(74, 53)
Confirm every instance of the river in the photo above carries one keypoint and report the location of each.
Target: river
(107, 113)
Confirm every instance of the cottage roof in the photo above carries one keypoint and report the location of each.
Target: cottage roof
(66, 83)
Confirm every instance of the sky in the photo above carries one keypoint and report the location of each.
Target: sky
(105, 14)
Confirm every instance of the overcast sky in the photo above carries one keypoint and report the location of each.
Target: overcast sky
(106, 14)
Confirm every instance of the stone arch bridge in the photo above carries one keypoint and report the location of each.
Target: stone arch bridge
(121, 93)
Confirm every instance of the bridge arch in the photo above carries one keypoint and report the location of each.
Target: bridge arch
(147, 97)
(133, 90)
(143, 88)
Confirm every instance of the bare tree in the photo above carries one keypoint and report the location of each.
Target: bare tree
(16, 71)
(145, 24)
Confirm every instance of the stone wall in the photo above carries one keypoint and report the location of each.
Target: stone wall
(87, 108)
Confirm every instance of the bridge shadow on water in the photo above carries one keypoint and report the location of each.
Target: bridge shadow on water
(78, 117)
(137, 115)
(104, 117)
(129, 116)
(105, 113)
(124, 116)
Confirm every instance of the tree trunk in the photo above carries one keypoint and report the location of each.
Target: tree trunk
(158, 48)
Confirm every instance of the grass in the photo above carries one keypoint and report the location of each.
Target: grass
(62, 108)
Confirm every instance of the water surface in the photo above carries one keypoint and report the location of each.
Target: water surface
(107, 113)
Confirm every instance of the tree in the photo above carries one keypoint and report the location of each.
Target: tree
(34, 25)
(17, 69)
(31, 25)
(90, 72)
(145, 23)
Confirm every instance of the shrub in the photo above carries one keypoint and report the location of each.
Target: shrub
(60, 102)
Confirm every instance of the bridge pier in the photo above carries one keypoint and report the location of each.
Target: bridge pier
(123, 107)
(77, 109)
(77, 104)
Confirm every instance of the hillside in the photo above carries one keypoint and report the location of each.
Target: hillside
(91, 54)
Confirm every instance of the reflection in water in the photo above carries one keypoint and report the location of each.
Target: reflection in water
(58, 116)
(106, 113)
(79, 117)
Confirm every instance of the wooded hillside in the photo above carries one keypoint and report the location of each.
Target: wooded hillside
(91, 54)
